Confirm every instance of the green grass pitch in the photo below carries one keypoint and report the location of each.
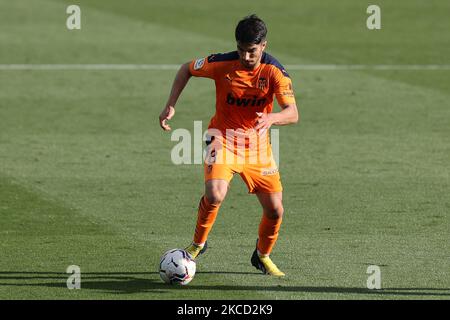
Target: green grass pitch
(86, 177)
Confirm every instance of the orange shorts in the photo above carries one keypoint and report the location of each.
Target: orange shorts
(259, 173)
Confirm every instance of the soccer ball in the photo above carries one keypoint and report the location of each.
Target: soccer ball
(177, 267)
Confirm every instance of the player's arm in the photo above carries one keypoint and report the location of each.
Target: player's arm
(197, 68)
(288, 115)
(181, 79)
(285, 96)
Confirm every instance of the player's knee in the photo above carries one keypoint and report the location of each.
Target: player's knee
(215, 198)
(216, 191)
(216, 195)
(275, 211)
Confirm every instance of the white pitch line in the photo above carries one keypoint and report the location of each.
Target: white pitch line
(5, 67)
(317, 67)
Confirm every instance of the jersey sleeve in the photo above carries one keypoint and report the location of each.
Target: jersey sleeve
(283, 88)
(202, 68)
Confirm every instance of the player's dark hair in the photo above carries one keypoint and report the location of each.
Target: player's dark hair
(251, 30)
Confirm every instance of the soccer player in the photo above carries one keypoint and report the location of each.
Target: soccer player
(246, 82)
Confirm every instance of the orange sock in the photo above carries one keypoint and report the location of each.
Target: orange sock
(207, 214)
(268, 234)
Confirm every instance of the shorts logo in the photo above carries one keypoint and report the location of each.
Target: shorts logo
(269, 172)
(213, 155)
(211, 159)
(199, 63)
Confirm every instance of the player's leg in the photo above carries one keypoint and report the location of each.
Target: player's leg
(270, 222)
(268, 232)
(217, 177)
(264, 180)
(215, 192)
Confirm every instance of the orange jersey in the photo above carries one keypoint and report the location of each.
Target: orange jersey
(240, 92)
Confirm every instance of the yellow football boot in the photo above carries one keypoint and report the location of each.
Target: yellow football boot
(266, 265)
(194, 250)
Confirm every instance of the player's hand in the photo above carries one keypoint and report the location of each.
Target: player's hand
(167, 114)
(263, 123)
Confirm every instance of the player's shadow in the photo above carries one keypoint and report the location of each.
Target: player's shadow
(141, 282)
(110, 282)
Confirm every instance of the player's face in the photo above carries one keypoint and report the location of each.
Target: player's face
(250, 54)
